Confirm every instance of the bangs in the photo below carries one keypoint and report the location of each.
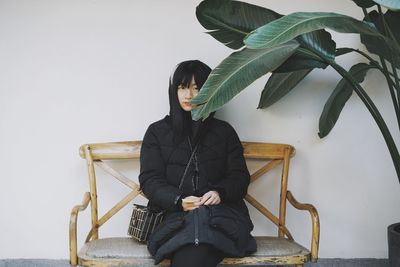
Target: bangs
(187, 70)
(184, 78)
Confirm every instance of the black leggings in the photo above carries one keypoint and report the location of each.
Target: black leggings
(196, 256)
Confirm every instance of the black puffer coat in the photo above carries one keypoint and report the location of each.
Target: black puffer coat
(221, 167)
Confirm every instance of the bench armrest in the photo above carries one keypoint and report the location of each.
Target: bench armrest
(315, 223)
(72, 229)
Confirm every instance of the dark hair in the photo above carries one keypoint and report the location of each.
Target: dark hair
(183, 74)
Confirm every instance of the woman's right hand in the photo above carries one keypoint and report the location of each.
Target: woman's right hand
(191, 203)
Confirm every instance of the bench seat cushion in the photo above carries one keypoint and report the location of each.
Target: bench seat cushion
(119, 250)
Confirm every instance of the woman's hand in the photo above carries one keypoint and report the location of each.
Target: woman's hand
(190, 203)
(210, 198)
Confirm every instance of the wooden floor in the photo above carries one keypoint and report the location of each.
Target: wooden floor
(320, 263)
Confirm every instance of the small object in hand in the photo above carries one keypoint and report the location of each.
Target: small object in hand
(190, 200)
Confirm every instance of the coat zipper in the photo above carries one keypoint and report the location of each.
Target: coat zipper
(196, 227)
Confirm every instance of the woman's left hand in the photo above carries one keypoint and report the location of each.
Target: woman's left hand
(210, 198)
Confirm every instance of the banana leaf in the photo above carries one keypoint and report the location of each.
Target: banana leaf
(364, 3)
(302, 59)
(230, 21)
(288, 27)
(320, 41)
(377, 45)
(280, 84)
(335, 103)
(235, 73)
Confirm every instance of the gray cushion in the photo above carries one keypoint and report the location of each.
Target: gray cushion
(125, 247)
(268, 246)
(116, 247)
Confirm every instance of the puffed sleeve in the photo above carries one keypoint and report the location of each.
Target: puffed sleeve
(152, 174)
(233, 186)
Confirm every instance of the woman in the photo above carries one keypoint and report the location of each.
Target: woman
(196, 172)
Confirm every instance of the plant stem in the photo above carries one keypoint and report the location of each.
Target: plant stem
(376, 64)
(375, 114)
(392, 91)
(373, 62)
(396, 78)
(394, 153)
(390, 82)
(365, 13)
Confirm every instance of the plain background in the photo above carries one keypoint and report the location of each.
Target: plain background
(76, 72)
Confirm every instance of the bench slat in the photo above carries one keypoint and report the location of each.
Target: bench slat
(131, 150)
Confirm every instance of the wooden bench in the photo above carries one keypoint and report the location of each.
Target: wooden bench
(119, 251)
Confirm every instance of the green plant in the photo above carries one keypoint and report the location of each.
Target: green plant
(291, 47)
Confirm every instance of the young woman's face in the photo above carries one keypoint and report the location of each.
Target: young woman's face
(185, 95)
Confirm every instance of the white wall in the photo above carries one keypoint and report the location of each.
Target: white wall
(74, 72)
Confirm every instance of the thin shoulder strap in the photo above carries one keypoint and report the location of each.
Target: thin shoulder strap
(187, 165)
(199, 136)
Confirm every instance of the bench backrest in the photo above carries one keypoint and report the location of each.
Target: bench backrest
(95, 154)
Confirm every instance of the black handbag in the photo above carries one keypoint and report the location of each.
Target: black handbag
(144, 219)
(143, 222)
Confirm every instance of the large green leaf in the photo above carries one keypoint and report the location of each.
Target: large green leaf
(320, 41)
(364, 3)
(377, 45)
(279, 84)
(235, 73)
(334, 106)
(230, 21)
(302, 59)
(390, 4)
(288, 27)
